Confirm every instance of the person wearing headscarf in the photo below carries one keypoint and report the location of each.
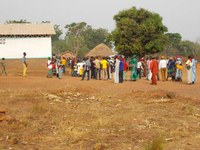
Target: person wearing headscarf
(154, 70)
(189, 70)
(171, 68)
(179, 67)
(125, 69)
(194, 66)
(133, 63)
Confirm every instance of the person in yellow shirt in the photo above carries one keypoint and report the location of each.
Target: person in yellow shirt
(63, 62)
(104, 64)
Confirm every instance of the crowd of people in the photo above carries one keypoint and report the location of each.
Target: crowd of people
(105, 68)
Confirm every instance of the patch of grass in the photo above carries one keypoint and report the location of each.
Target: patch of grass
(156, 144)
(1, 147)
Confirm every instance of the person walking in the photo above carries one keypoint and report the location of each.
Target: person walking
(3, 67)
(154, 70)
(25, 65)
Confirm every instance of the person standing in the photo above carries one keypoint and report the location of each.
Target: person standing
(97, 68)
(139, 68)
(171, 69)
(25, 65)
(189, 70)
(154, 70)
(163, 68)
(63, 62)
(179, 68)
(149, 73)
(3, 67)
(133, 63)
(116, 73)
(194, 66)
(104, 64)
(49, 66)
(92, 68)
(86, 68)
(121, 70)
(125, 69)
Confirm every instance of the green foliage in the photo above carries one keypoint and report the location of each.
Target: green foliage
(81, 38)
(138, 31)
(59, 46)
(186, 48)
(16, 21)
(58, 33)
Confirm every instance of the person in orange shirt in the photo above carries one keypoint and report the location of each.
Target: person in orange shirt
(154, 70)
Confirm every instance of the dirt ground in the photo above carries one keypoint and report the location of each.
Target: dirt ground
(69, 114)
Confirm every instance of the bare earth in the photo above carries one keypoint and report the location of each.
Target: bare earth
(69, 114)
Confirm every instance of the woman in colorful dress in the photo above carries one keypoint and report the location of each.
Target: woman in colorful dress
(133, 63)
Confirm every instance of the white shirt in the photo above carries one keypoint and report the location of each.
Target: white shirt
(139, 65)
(162, 64)
(49, 65)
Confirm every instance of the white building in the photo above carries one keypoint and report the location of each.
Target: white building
(34, 39)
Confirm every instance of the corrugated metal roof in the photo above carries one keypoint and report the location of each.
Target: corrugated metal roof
(27, 29)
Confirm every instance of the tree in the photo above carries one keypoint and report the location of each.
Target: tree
(186, 48)
(138, 31)
(81, 37)
(16, 21)
(173, 40)
(58, 33)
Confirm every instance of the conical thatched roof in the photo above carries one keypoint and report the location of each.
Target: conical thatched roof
(100, 50)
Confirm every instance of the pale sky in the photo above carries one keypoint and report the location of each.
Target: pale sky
(182, 16)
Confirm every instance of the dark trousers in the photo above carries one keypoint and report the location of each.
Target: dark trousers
(108, 71)
(121, 73)
(92, 73)
(139, 72)
(84, 73)
(97, 73)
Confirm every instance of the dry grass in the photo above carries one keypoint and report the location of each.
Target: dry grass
(46, 121)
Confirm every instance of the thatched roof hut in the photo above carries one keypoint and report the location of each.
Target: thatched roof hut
(101, 50)
(67, 54)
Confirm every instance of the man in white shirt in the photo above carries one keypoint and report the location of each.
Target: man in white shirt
(163, 68)
(139, 68)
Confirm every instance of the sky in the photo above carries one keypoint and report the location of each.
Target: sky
(180, 16)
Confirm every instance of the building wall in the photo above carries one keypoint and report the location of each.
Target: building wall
(35, 47)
